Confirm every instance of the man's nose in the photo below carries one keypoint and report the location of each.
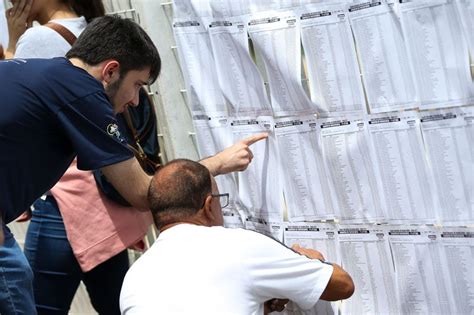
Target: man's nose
(135, 100)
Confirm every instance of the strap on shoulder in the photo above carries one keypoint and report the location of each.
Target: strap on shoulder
(64, 32)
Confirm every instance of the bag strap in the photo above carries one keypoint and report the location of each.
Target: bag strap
(64, 32)
(148, 124)
(136, 146)
(133, 131)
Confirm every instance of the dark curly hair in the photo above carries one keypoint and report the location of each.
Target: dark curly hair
(112, 37)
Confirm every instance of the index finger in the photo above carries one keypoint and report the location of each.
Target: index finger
(26, 9)
(252, 139)
(18, 7)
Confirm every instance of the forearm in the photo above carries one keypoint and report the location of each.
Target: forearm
(237, 157)
(9, 53)
(213, 164)
(340, 285)
(6, 53)
(130, 181)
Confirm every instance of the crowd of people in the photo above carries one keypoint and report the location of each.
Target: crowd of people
(65, 87)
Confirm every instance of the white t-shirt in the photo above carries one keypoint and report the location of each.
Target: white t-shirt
(44, 42)
(194, 269)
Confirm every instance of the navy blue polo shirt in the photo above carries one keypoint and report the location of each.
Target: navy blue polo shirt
(51, 111)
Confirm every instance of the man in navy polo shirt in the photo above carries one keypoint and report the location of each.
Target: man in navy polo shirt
(54, 110)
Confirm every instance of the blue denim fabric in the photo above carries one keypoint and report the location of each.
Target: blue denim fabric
(16, 279)
(57, 272)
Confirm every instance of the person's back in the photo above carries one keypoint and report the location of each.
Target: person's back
(213, 270)
(44, 42)
(50, 108)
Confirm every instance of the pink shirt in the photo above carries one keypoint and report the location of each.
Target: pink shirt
(97, 228)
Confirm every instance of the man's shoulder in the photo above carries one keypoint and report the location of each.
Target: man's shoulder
(231, 233)
(237, 240)
(45, 66)
(59, 64)
(244, 238)
(34, 71)
(54, 83)
(60, 71)
(61, 75)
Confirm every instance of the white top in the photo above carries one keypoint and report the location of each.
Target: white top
(44, 42)
(3, 26)
(194, 269)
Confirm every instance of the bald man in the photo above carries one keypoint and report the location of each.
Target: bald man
(196, 266)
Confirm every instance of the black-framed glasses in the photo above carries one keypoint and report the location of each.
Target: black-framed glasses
(223, 199)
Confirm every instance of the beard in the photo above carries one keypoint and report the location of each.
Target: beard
(111, 91)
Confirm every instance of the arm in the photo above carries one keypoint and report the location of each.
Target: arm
(340, 285)
(234, 158)
(18, 23)
(130, 181)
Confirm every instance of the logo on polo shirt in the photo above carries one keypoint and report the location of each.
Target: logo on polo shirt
(113, 130)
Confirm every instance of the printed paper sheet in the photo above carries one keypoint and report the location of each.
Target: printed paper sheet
(403, 169)
(449, 143)
(439, 52)
(308, 193)
(386, 70)
(333, 71)
(276, 38)
(352, 168)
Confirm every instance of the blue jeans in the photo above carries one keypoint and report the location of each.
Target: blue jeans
(16, 279)
(57, 273)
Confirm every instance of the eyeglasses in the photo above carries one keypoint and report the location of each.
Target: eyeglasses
(223, 199)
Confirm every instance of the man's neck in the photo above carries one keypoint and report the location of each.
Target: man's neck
(92, 70)
(78, 63)
(61, 11)
(192, 221)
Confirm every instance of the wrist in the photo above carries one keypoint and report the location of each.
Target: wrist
(12, 45)
(218, 165)
(10, 52)
(213, 164)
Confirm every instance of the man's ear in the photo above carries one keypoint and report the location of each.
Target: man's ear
(207, 209)
(110, 71)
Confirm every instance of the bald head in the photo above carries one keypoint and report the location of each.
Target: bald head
(178, 191)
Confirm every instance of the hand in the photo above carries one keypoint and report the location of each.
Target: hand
(2, 54)
(18, 23)
(274, 305)
(25, 216)
(234, 158)
(308, 252)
